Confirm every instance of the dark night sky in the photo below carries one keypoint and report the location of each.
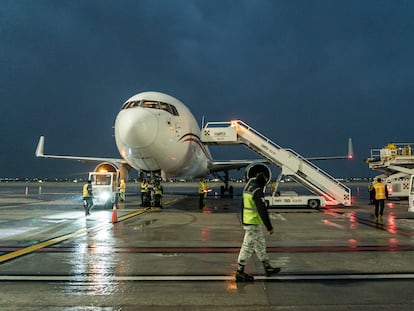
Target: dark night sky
(307, 74)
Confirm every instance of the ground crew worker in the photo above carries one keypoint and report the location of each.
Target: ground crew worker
(158, 192)
(272, 187)
(87, 197)
(202, 193)
(122, 187)
(254, 214)
(381, 194)
(371, 194)
(144, 190)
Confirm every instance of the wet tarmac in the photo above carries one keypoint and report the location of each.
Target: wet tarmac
(52, 257)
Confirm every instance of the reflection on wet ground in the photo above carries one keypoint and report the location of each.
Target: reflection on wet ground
(179, 256)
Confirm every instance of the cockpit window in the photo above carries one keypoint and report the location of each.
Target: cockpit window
(130, 105)
(151, 104)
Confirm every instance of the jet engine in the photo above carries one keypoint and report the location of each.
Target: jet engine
(255, 168)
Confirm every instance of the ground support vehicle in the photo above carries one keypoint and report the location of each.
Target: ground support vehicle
(395, 162)
(104, 188)
(293, 199)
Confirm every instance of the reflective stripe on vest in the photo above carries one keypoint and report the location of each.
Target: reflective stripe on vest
(250, 214)
(379, 191)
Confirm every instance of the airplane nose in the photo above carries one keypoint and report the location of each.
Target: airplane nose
(136, 127)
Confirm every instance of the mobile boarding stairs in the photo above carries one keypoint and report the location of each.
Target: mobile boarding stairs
(291, 163)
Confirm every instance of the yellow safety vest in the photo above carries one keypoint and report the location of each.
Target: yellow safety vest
(379, 191)
(122, 186)
(158, 190)
(250, 214)
(144, 187)
(203, 187)
(85, 191)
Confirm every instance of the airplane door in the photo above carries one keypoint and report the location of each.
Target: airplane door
(411, 195)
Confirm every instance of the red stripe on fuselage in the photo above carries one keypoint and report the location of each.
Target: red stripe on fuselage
(194, 138)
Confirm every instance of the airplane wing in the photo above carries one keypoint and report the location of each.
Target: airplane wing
(349, 156)
(40, 154)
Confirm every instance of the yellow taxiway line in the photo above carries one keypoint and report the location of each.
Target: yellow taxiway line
(47, 243)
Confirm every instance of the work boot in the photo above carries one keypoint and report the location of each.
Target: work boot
(380, 218)
(269, 270)
(242, 276)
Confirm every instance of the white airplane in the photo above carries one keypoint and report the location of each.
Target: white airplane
(156, 133)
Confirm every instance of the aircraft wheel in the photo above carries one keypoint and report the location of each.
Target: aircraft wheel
(314, 203)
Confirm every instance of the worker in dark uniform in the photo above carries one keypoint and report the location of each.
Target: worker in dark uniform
(254, 214)
(371, 194)
(144, 190)
(380, 195)
(87, 197)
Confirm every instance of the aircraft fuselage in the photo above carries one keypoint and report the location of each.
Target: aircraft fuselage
(156, 132)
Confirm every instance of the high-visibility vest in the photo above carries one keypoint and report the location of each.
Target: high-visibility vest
(158, 190)
(203, 187)
(122, 186)
(87, 189)
(144, 187)
(379, 191)
(250, 214)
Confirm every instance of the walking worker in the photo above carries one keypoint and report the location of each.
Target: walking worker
(254, 214)
(122, 188)
(202, 192)
(380, 195)
(87, 197)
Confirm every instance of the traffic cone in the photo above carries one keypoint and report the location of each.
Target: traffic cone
(114, 214)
